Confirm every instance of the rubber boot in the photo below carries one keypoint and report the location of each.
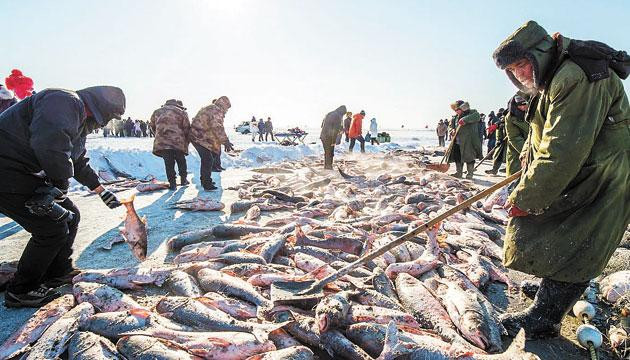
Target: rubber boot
(542, 319)
(470, 170)
(459, 169)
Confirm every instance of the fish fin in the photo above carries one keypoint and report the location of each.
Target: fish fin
(139, 312)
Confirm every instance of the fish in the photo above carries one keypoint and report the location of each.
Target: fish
(228, 345)
(191, 312)
(198, 204)
(498, 198)
(177, 242)
(104, 298)
(89, 346)
(35, 326)
(282, 340)
(140, 347)
(614, 286)
(290, 353)
(113, 240)
(113, 325)
(135, 230)
(272, 247)
(7, 271)
(285, 197)
(414, 268)
(183, 284)
(345, 244)
(212, 280)
(338, 346)
(244, 205)
(153, 185)
(54, 341)
(230, 231)
(126, 278)
(332, 311)
(206, 252)
(238, 309)
(383, 284)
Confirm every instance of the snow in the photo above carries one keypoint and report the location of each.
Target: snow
(134, 155)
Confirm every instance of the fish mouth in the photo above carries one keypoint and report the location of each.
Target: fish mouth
(323, 324)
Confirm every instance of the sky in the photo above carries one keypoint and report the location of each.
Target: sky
(403, 62)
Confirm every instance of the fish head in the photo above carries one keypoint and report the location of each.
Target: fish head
(139, 249)
(331, 312)
(475, 328)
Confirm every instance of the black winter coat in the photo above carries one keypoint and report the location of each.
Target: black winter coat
(43, 137)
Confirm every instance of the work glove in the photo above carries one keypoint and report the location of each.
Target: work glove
(514, 211)
(228, 146)
(109, 199)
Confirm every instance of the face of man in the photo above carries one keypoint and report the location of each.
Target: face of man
(459, 112)
(523, 71)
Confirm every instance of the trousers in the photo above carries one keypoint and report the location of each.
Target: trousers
(171, 157)
(361, 140)
(208, 159)
(48, 252)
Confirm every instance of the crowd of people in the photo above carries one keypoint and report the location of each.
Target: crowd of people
(505, 132)
(127, 128)
(261, 129)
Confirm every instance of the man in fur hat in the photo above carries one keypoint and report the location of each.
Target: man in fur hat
(467, 146)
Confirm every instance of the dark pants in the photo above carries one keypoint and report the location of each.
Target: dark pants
(267, 136)
(260, 135)
(441, 141)
(361, 140)
(346, 133)
(491, 143)
(208, 159)
(373, 140)
(171, 156)
(47, 253)
(329, 153)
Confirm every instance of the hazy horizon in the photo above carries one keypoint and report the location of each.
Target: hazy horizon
(402, 62)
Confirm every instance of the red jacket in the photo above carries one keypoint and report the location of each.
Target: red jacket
(356, 126)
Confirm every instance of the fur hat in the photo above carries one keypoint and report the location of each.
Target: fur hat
(461, 105)
(532, 42)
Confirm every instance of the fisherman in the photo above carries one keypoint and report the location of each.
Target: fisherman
(331, 128)
(441, 132)
(490, 131)
(172, 135)
(346, 124)
(482, 128)
(498, 157)
(42, 147)
(253, 128)
(261, 129)
(207, 135)
(355, 132)
(467, 146)
(517, 130)
(570, 207)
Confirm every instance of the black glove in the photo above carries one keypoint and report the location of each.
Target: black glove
(229, 146)
(109, 199)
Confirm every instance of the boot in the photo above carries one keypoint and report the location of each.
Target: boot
(459, 169)
(494, 170)
(542, 319)
(470, 170)
(172, 184)
(183, 180)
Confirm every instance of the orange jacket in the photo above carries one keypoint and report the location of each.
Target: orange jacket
(356, 126)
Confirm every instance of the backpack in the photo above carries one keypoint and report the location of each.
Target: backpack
(595, 57)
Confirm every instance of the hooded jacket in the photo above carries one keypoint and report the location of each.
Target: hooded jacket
(517, 130)
(171, 127)
(373, 128)
(467, 138)
(576, 184)
(207, 126)
(45, 134)
(356, 127)
(332, 126)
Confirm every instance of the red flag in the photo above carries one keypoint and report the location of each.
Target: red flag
(21, 85)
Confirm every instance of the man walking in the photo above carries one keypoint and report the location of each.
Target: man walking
(331, 128)
(356, 131)
(441, 132)
(42, 147)
(207, 135)
(172, 130)
(570, 208)
(269, 130)
(467, 146)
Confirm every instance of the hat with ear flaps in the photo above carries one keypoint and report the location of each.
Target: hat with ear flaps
(530, 42)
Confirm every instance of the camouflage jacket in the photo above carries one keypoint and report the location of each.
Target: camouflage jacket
(171, 127)
(207, 128)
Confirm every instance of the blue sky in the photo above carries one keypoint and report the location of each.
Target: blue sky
(401, 61)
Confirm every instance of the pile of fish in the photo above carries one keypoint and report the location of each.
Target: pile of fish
(425, 299)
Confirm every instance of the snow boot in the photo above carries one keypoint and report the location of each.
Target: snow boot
(172, 185)
(470, 170)
(459, 169)
(542, 319)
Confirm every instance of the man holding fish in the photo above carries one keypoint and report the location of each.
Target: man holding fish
(42, 147)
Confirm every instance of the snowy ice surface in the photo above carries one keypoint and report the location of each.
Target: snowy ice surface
(134, 155)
